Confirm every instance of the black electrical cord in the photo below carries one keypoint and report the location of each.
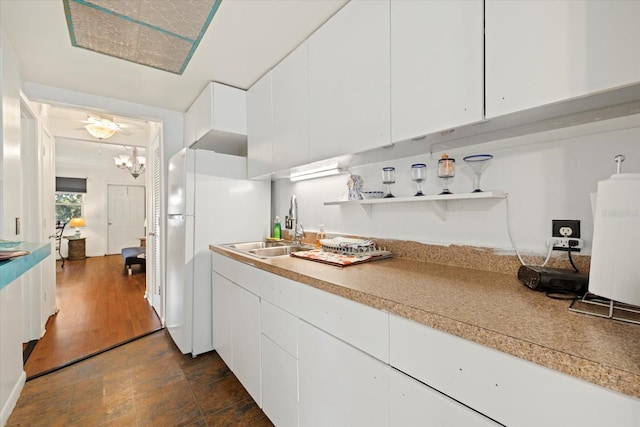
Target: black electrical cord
(563, 295)
(575, 269)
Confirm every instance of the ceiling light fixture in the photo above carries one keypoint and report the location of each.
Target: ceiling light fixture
(317, 172)
(134, 164)
(101, 128)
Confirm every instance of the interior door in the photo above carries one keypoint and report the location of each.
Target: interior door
(47, 177)
(154, 261)
(126, 213)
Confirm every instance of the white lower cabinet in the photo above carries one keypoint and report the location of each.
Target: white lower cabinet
(311, 358)
(279, 384)
(236, 332)
(507, 389)
(245, 324)
(222, 333)
(339, 385)
(412, 403)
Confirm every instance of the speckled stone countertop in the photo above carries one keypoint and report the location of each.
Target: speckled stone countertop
(491, 308)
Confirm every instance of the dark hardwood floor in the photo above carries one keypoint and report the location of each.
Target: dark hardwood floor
(99, 306)
(145, 382)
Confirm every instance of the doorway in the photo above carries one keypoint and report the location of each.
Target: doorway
(126, 217)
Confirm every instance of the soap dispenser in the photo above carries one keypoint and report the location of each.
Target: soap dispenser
(277, 228)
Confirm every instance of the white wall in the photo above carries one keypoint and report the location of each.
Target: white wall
(548, 176)
(79, 159)
(11, 373)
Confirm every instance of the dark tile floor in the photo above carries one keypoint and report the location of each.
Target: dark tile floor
(147, 382)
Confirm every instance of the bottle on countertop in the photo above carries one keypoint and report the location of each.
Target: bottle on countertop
(320, 235)
(277, 228)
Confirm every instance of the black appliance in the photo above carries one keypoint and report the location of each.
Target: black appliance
(553, 279)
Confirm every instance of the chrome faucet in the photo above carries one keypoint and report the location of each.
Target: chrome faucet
(291, 221)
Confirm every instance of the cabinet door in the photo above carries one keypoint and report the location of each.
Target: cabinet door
(510, 390)
(245, 322)
(221, 305)
(290, 96)
(413, 403)
(189, 129)
(436, 66)
(279, 384)
(339, 385)
(349, 81)
(202, 112)
(540, 52)
(259, 128)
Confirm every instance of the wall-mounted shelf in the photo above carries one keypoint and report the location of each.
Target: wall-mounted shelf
(366, 204)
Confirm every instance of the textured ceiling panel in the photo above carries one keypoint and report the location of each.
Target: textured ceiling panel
(158, 33)
(161, 51)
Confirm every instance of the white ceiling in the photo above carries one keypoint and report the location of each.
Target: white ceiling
(245, 39)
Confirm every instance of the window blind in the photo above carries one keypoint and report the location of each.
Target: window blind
(71, 185)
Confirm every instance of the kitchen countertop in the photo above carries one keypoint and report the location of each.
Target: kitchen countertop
(489, 308)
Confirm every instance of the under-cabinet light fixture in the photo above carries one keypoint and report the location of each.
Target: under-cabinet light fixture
(317, 172)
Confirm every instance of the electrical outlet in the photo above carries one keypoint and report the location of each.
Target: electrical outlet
(564, 243)
(566, 235)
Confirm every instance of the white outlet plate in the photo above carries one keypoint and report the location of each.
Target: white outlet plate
(562, 243)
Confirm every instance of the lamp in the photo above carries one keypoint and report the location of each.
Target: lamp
(101, 128)
(134, 164)
(77, 223)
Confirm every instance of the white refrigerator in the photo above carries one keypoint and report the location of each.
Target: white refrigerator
(210, 202)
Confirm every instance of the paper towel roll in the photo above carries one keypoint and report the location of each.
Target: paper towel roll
(615, 255)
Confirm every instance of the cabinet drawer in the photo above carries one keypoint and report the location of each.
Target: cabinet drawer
(413, 403)
(505, 388)
(280, 291)
(361, 326)
(280, 327)
(239, 273)
(281, 366)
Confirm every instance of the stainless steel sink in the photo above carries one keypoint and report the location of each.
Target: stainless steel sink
(277, 251)
(267, 249)
(248, 246)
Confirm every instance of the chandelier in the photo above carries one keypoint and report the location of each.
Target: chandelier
(134, 163)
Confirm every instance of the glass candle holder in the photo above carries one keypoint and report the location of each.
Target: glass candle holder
(388, 178)
(419, 175)
(446, 170)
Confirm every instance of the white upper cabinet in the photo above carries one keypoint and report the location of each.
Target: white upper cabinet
(541, 52)
(217, 120)
(436, 66)
(260, 128)
(290, 100)
(349, 79)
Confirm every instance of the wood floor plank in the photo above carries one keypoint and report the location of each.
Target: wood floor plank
(99, 306)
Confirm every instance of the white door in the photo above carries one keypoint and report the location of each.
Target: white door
(154, 261)
(126, 212)
(31, 281)
(47, 177)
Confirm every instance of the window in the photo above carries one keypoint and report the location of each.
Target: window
(68, 205)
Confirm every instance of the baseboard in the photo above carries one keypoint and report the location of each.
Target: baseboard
(10, 404)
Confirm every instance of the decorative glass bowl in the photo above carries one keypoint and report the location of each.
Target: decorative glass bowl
(372, 194)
